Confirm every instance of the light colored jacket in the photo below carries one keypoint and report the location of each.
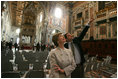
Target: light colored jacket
(64, 59)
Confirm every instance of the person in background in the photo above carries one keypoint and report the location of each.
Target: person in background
(38, 47)
(15, 45)
(61, 59)
(10, 45)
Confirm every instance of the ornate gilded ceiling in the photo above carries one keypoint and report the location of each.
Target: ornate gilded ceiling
(19, 13)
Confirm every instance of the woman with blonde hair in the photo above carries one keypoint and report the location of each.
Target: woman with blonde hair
(61, 59)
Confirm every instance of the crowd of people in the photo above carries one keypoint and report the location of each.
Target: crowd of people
(8, 45)
(42, 47)
(37, 47)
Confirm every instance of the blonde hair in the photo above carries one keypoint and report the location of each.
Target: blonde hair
(55, 38)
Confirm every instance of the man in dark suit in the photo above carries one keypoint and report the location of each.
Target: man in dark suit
(15, 45)
(75, 45)
(38, 47)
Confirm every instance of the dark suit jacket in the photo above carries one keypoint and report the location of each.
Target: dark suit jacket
(77, 42)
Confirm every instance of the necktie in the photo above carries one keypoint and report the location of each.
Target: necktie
(75, 53)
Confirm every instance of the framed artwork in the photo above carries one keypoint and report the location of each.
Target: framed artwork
(91, 13)
(64, 24)
(103, 29)
(86, 14)
(114, 29)
(56, 22)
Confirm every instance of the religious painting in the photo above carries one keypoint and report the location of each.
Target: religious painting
(103, 29)
(96, 32)
(86, 14)
(64, 24)
(56, 22)
(114, 29)
(91, 13)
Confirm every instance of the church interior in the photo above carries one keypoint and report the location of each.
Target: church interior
(27, 28)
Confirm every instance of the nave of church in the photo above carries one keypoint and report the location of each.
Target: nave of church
(27, 28)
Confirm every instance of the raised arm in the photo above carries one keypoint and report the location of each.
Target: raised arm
(83, 33)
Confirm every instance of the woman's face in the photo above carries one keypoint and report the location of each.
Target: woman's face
(61, 39)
